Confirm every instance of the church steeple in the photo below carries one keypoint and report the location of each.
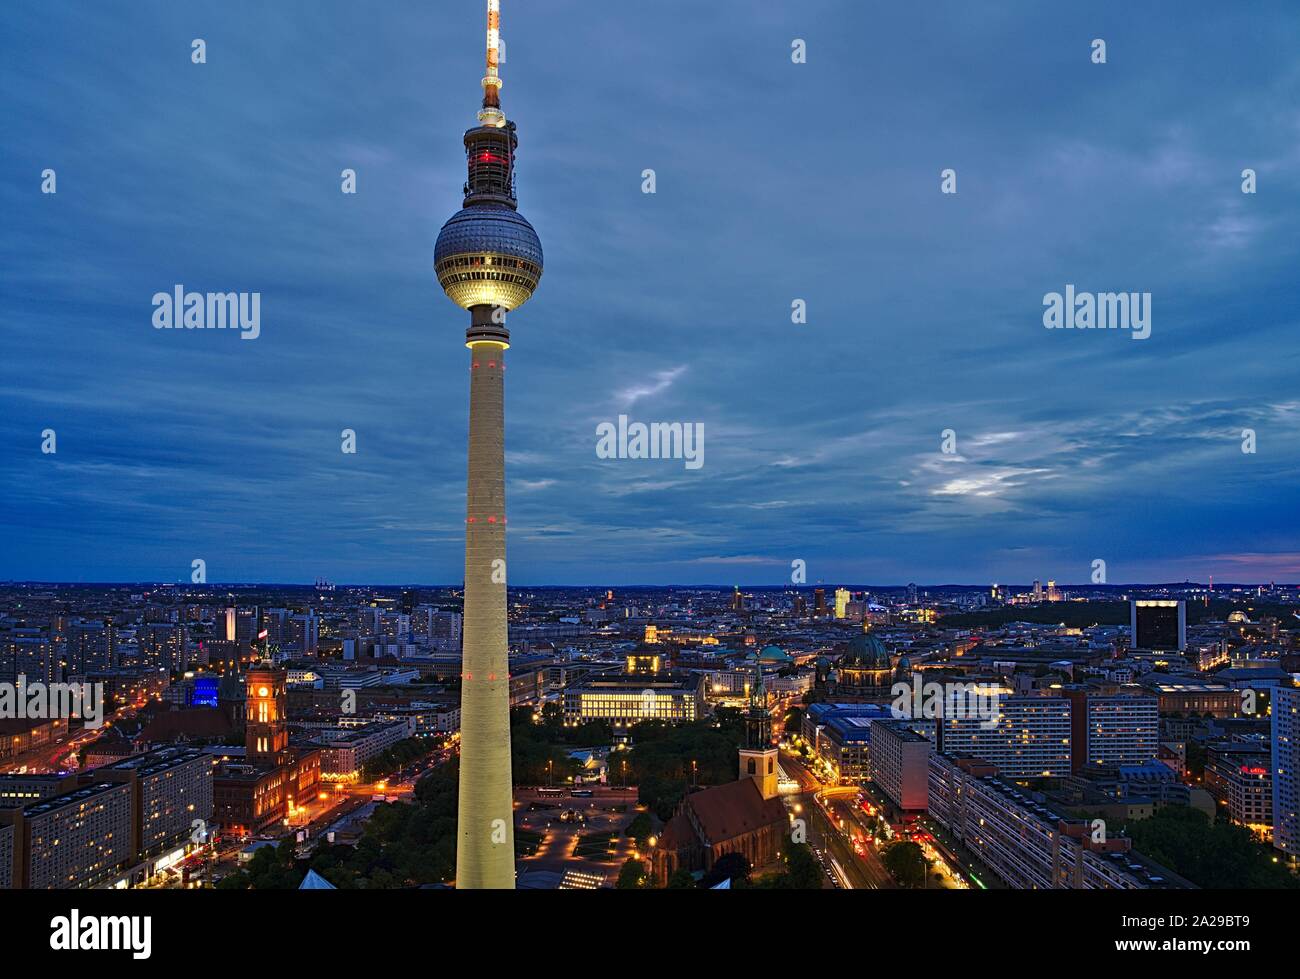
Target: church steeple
(758, 755)
(758, 722)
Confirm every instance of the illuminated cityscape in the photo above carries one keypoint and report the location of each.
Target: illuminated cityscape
(951, 732)
(901, 461)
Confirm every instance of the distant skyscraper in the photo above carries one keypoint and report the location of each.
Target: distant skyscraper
(1286, 768)
(841, 602)
(28, 653)
(162, 646)
(819, 601)
(246, 624)
(911, 593)
(1159, 625)
(275, 621)
(489, 260)
(304, 633)
(445, 627)
(1038, 590)
(88, 647)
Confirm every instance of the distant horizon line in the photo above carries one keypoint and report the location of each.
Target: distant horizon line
(711, 586)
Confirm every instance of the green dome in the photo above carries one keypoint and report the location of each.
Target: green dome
(866, 652)
(774, 654)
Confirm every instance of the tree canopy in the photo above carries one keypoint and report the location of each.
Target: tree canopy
(1218, 854)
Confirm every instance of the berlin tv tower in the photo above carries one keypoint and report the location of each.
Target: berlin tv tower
(488, 260)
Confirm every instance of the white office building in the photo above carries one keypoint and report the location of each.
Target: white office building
(1286, 765)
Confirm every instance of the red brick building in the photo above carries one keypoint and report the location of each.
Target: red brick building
(730, 818)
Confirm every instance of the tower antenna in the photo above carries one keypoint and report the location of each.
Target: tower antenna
(491, 114)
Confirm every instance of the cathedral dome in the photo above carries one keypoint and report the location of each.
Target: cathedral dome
(865, 652)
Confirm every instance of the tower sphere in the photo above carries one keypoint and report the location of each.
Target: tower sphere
(488, 255)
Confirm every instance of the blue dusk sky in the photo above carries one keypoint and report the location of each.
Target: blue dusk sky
(775, 181)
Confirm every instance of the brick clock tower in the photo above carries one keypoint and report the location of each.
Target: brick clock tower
(266, 735)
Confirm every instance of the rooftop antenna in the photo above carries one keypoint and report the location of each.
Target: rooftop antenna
(491, 114)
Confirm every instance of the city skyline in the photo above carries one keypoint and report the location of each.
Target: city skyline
(1070, 446)
(835, 735)
(216, 585)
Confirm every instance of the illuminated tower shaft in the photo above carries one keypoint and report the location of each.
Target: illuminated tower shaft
(485, 784)
(489, 260)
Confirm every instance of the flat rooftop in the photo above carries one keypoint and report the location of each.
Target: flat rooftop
(75, 797)
(1148, 871)
(152, 762)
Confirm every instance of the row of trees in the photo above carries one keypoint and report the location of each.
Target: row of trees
(906, 863)
(539, 752)
(397, 757)
(667, 759)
